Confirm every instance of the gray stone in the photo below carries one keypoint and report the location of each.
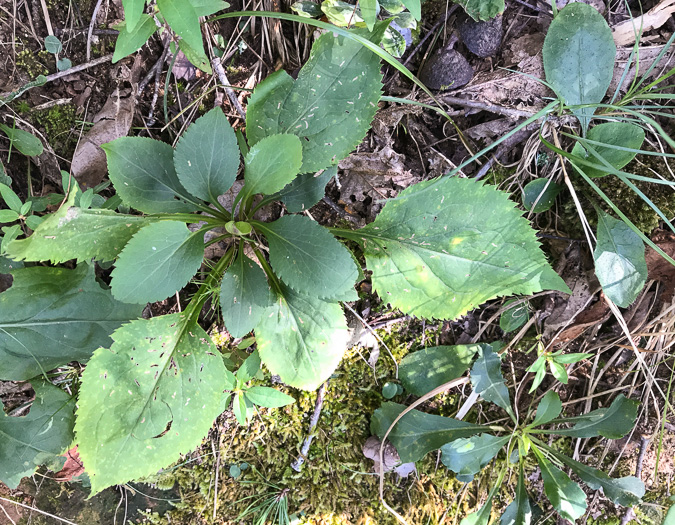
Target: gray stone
(446, 69)
(481, 38)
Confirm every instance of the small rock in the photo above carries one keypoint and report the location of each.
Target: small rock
(482, 38)
(446, 69)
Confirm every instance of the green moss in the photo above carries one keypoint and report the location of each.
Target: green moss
(33, 64)
(58, 123)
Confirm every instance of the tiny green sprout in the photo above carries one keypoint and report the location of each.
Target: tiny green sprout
(556, 362)
(239, 228)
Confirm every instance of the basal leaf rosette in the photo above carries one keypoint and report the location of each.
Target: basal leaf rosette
(443, 247)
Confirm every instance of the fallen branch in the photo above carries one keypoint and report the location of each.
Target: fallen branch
(304, 450)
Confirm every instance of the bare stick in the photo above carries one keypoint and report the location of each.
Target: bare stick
(304, 450)
(48, 21)
(218, 68)
(91, 27)
(37, 510)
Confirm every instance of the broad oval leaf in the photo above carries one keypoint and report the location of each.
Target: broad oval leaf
(157, 262)
(272, 163)
(539, 195)
(514, 317)
(207, 156)
(443, 247)
(131, 39)
(620, 263)
(148, 399)
(77, 233)
(613, 422)
(578, 55)
(306, 190)
(564, 494)
(30, 441)
(487, 379)
(548, 409)
(466, 457)
(51, 316)
(244, 296)
(330, 106)
(308, 258)
(25, 142)
(426, 369)
(142, 171)
(418, 433)
(626, 491)
(268, 397)
(482, 9)
(302, 339)
(617, 134)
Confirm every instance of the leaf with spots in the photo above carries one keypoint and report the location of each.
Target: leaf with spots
(443, 247)
(302, 338)
(30, 441)
(271, 164)
(308, 258)
(152, 396)
(330, 106)
(51, 316)
(78, 233)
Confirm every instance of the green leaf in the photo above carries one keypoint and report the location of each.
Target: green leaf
(51, 316)
(564, 494)
(148, 399)
(133, 10)
(157, 262)
(74, 233)
(548, 409)
(519, 511)
(308, 258)
(302, 339)
(618, 134)
(393, 7)
(29, 441)
(268, 397)
(307, 8)
(558, 371)
(393, 42)
(487, 379)
(11, 199)
(306, 190)
(249, 368)
(330, 106)
(613, 422)
(466, 457)
(196, 56)
(342, 14)
(444, 246)
(230, 380)
(25, 142)
(568, 359)
(626, 491)
(183, 19)
(53, 45)
(514, 317)
(418, 433)
(542, 192)
(7, 216)
(482, 515)
(244, 296)
(208, 7)
(142, 171)
(422, 371)
(389, 390)
(414, 6)
(63, 63)
(578, 55)
(369, 12)
(482, 9)
(272, 163)
(619, 257)
(207, 156)
(131, 39)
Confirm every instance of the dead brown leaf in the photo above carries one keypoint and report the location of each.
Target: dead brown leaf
(658, 268)
(89, 164)
(392, 461)
(72, 468)
(625, 32)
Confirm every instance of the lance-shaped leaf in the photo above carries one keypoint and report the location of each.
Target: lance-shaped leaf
(626, 491)
(619, 260)
(445, 246)
(306, 189)
(548, 409)
(142, 171)
(426, 369)
(613, 422)
(564, 494)
(466, 457)
(30, 441)
(272, 163)
(76, 233)
(184, 20)
(131, 39)
(268, 397)
(244, 296)
(330, 106)
(519, 511)
(308, 258)
(417, 433)
(302, 338)
(25, 142)
(133, 9)
(207, 156)
(148, 399)
(617, 134)
(487, 379)
(482, 515)
(157, 262)
(51, 316)
(578, 55)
